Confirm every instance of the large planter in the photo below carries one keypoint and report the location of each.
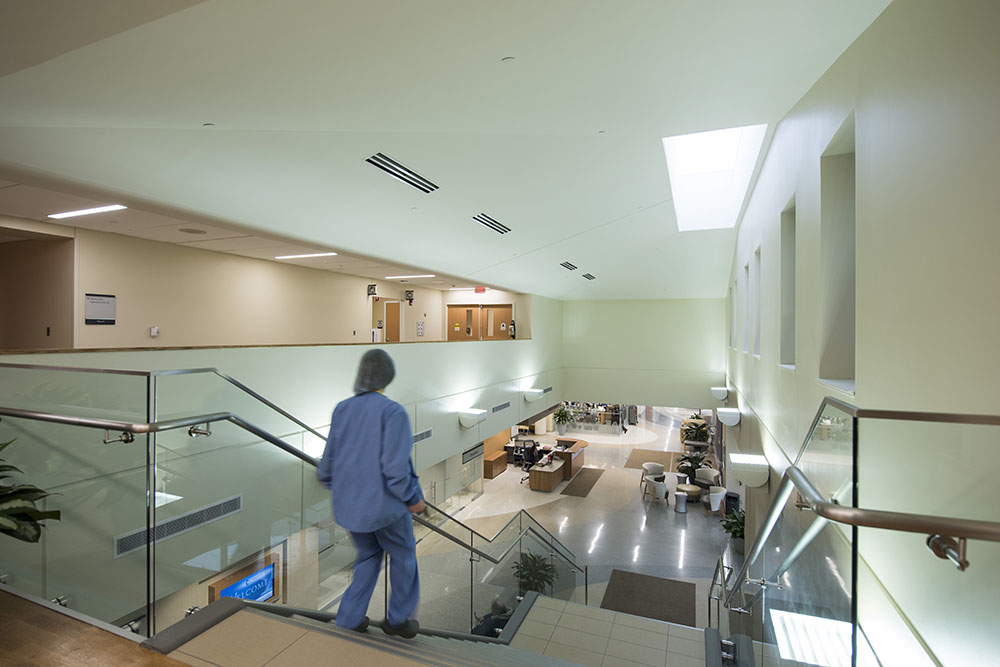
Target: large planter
(562, 429)
(738, 545)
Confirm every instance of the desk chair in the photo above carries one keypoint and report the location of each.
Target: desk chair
(518, 454)
(530, 459)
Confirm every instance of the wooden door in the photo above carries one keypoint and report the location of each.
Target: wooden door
(392, 321)
(496, 321)
(463, 322)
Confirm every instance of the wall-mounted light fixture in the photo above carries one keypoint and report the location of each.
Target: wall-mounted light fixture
(720, 393)
(751, 469)
(532, 395)
(728, 416)
(471, 416)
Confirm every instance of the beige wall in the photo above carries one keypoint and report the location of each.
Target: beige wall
(521, 306)
(922, 85)
(36, 288)
(662, 352)
(199, 297)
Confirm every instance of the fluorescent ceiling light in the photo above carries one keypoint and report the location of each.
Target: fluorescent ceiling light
(429, 275)
(465, 289)
(87, 211)
(709, 174)
(314, 254)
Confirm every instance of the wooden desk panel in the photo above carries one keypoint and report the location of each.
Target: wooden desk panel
(494, 464)
(572, 457)
(545, 478)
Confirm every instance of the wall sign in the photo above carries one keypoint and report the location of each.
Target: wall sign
(259, 586)
(99, 309)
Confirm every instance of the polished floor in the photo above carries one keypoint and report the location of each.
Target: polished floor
(614, 527)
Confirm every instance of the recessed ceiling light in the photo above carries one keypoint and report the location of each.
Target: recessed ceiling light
(428, 275)
(191, 230)
(312, 254)
(87, 211)
(709, 174)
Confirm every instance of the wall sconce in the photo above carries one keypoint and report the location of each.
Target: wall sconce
(728, 416)
(471, 416)
(751, 469)
(720, 393)
(532, 395)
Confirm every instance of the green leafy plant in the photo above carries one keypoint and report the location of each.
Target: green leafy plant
(696, 431)
(19, 515)
(688, 463)
(734, 524)
(534, 572)
(562, 416)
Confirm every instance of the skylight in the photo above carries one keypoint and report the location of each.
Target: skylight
(709, 174)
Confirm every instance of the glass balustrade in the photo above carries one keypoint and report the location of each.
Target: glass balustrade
(159, 526)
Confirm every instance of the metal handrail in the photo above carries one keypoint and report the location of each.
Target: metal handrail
(179, 371)
(158, 426)
(171, 424)
(934, 526)
(568, 555)
(239, 385)
(42, 367)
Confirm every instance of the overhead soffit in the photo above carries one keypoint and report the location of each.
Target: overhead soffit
(562, 144)
(33, 203)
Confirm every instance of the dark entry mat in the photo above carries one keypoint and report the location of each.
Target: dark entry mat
(652, 597)
(583, 482)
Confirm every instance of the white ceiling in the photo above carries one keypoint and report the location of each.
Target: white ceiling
(562, 144)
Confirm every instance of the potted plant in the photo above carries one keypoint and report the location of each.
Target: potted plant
(562, 417)
(694, 431)
(734, 525)
(19, 516)
(534, 572)
(688, 463)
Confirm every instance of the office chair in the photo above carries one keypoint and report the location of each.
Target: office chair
(530, 458)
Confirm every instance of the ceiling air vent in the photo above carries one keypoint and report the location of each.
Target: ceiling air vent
(396, 170)
(589, 276)
(567, 265)
(493, 224)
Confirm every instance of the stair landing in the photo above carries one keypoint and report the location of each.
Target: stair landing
(597, 637)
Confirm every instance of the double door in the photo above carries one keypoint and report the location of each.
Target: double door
(479, 322)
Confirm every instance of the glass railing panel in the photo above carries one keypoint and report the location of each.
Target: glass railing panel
(118, 396)
(182, 395)
(935, 469)
(528, 521)
(237, 517)
(445, 580)
(99, 488)
(806, 610)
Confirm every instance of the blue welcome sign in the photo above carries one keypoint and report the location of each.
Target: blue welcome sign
(258, 587)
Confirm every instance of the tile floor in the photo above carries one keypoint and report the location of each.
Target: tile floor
(596, 637)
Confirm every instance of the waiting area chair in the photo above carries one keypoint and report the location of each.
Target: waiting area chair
(714, 499)
(706, 478)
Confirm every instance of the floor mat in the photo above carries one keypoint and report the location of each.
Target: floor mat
(584, 481)
(639, 456)
(652, 597)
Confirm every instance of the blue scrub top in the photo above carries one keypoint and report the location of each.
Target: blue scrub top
(366, 463)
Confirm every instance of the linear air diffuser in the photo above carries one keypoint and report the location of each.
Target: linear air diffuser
(402, 173)
(492, 223)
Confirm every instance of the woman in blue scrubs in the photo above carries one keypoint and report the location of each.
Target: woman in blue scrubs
(367, 467)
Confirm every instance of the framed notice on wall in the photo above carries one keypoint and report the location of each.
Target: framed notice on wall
(99, 309)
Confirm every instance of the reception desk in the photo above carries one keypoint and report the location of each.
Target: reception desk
(546, 477)
(572, 456)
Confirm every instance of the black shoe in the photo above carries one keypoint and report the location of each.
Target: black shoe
(407, 629)
(363, 625)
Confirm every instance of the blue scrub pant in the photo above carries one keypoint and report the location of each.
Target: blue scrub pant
(396, 539)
